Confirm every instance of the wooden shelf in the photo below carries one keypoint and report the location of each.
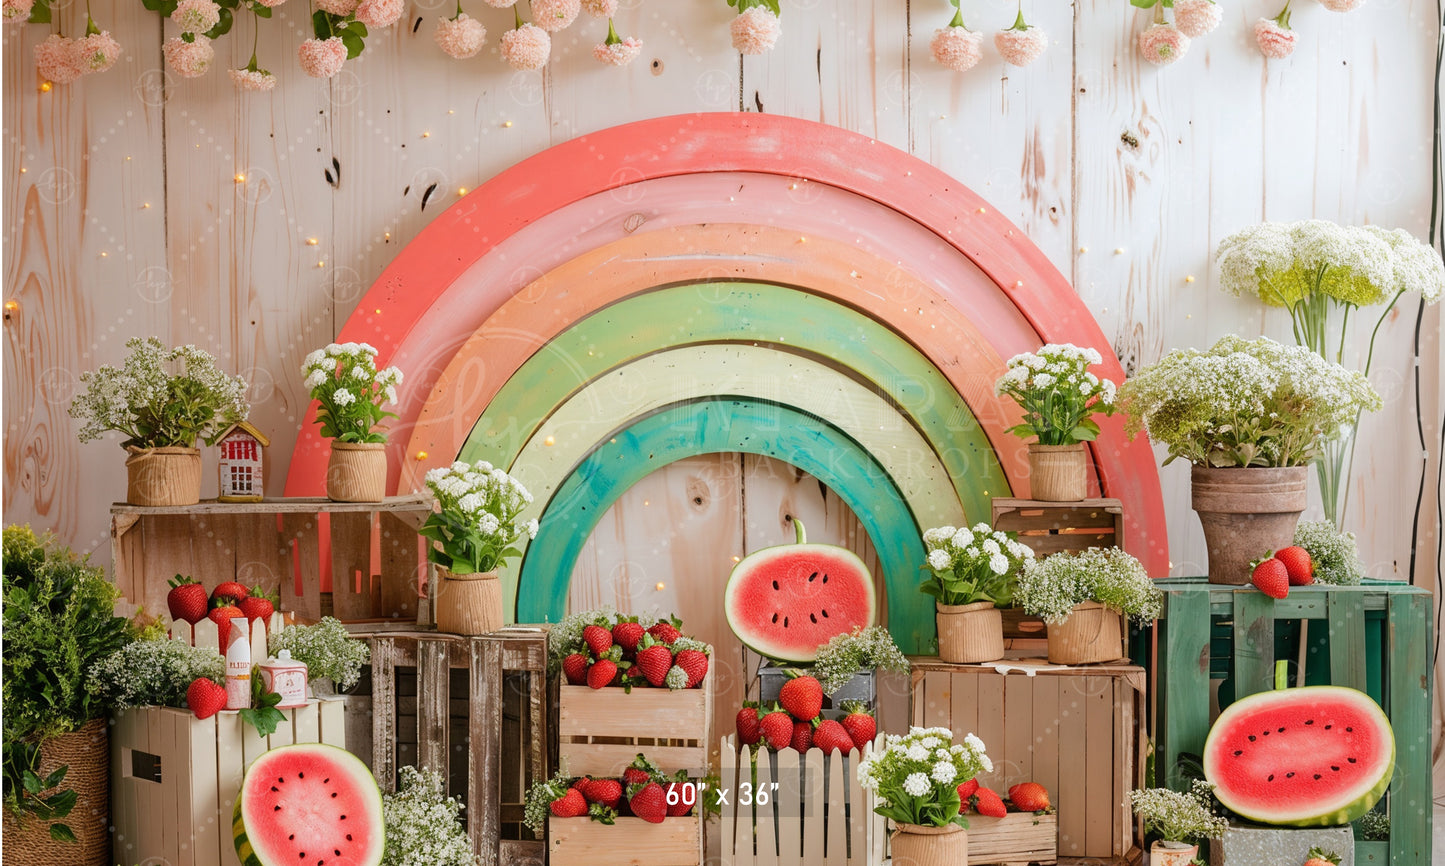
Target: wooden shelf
(285, 505)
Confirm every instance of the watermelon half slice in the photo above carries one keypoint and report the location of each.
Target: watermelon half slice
(784, 602)
(308, 805)
(1308, 757)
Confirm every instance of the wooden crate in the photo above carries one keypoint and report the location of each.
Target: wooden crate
(1375, 638)
(597, 729)
(1016, 839)
(175, 778)
(1076, 731)
(862, 687)
(500, 716)
(1051, 527)
(629, 842)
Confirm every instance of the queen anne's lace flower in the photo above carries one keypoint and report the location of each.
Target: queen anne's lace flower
(956, 48)
(618, 53)
(57, 60)
(756, 30)
(322, 58)
(555, 15)
(527, 47)
(96, 52)
(1162, 44)
(379, 13)
(1195, 18)
(460, 37)
(16, 10)
(261, 80)
(196, 16)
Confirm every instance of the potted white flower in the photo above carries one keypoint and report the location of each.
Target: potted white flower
(1059, 397)
(1180, 820)
(163, 401)
(973, 572)
(350, 391)
(474, 530)
(915, 779)
(1082, 598)
(1250, 416)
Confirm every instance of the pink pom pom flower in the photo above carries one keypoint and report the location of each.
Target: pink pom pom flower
(196, 16)
(258, 80)
(341, 8)
(1195, 18)
(188, 59)
(379, 13)
(1274, 36)
(527, 47)
(1162, 44)
(555, 15)
(270, 4)
(615, 51)
(598, 8)
(322, 58)
(57, 60)
(500, 4)
(1342, 5)
(16, 10)
(96, 52)
(756, 30)
(955, 46)
(460, 37)
(1022, 43)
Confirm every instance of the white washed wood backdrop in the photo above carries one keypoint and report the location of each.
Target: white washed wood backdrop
(123, 215)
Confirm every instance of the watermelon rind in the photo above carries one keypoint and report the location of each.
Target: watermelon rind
(338, 762)
(1339, 806)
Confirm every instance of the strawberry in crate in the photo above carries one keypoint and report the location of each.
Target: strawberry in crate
(643, 791)
(601, 648)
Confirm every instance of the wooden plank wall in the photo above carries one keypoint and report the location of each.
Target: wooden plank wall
(124, 215)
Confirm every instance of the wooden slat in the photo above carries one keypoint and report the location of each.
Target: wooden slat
(276, 505)
(1408, 706)
(484, 723)
(300, 536)
(617, 716)
(172, 751)
(1102, 764)
(861, 824)
(1073, 800)
(1046, 731)
(787, 803)
(1018, 743)
(764, 821)
(1016, 838)
(1183, 680)
(836, 831)
(734, 849)
(305, 724)
(1253, 643)
(207, 836)
(813, 813)
(990, 726)
(150, 804)
(630, 842)
(122, 783)
(351, 572)
(402, 569)
(1347, 641)
(230, 768)
(433, 677)
(962, 703)
(331, 727)
(383, 708)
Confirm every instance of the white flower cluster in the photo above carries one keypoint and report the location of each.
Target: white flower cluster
(971, 565)
(153, 673)
(1057, 393)
(343, 377)
(1177, 817)
(1335, 555)
(844, 655)
(1050, 587)
(479, 509)
(924, 764)
(327, 648)
(423, 826)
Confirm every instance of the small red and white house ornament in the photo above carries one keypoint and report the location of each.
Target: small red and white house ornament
(242, 464)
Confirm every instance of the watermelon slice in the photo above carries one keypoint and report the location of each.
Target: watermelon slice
(1308, 757)
(308, 805)
(784, 602)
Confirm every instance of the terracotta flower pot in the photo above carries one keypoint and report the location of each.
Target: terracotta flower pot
(917, 845)
(87, 753)
(969, 633)
(1246, 513)
(163, 476)
(1058, 473)
(1172, 854)
(1090, 635)
(356, 472)
(468, 604)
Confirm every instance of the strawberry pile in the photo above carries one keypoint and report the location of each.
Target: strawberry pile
(620, 651)
(1023, 797)
(796, 721)
(188, 603)
(1276, 572)
(644, 791)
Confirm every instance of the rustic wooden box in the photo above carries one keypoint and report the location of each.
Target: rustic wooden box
(474, 708)
(863, 687)
(1051, 527)
(597, 729)
(174, 777)
(1076, 731)
(629, 842)
(1016, 839)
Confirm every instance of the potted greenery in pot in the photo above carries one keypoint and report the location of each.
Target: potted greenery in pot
(1180, 820)
(59, 619)
(973, 572)
(1059, 397)
(915, 778)
(350, 391)
(1250, 416)
(474, 530)
(1082, 597)
(162, 414)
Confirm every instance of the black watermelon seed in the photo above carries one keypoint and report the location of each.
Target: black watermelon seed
(274, 788)
(785, 622)
(292, 837)
(1289, 775)
(1266, 733)
(338, 852)
(1251, 738)
(1317, 775)
(825, 613)
(333, 795)
(326, 781)
(302, 855)
(300, 775)
(1352, 760)
(1327, 727)
(1238, 752)
(1271, 778)
(1281, 730)
(813, 617)
(348, 837)
(1349, 730)
(275, 808)
(825, 578)
(775, 584)
(812, 577)
(343, 817)
(775, 617)
(1333, 767)
(281, 780)
(1309, 721)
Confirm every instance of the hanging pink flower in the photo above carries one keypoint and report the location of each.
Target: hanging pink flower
(57, 60)
(342, 8)
(555, 15)
(1342, 5)
(196, 16)
(96, 52)
(1022, 43)
(379, 13)
(756, 30)
(322, 58)
(1195, 18)
(595, 8)
(188, 59)
(618, 52)
(19, 10)
(270, 4)
(527, 47)
(460, 37)
(957, 48)
(252, 79)
(1162, 44)
(1276, 39)
(500, 4)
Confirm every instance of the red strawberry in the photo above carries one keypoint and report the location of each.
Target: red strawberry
(1299, 565)
(831, 736)
(667, 630)
(627, 632)
(679, 799)
(986, 802)
(695, 663)
(260, 604)
(608, 792)
(230, 589)
(777, 728)
(749, 731)
(965, 794)
(601, 673)
(206, 698)
(648, 801)
(859, 723)
(654, 660)
(1320, 857)
(803, 697)
(802, 736)
(1271, 577)
(221, 615)
(574, 667)
(580, 782)
(570, 805)
(640, 770)
(1029, 797)
(186, 599)
(599, 639)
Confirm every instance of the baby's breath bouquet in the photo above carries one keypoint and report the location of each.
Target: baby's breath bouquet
(153, 673)
(844, 655)
(1245, 403)
(973, 565)
(423, 826)
(477, 522)
(343, 378)
(916, 776)
(160, 398)
(1050, 587)
(327, 648)
(1057, 393)
(1335, 556)
(1178, 817)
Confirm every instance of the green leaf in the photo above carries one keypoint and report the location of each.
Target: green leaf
(360, 30)
(261, 11)
(265, 720)
(56, 777)
(1143, 4)
(33, 784)
(321, 26)
(354, 44)
(61, 833)
(40, 12)
(223, 26)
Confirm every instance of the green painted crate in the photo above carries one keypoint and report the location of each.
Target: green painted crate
(1376, 638)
